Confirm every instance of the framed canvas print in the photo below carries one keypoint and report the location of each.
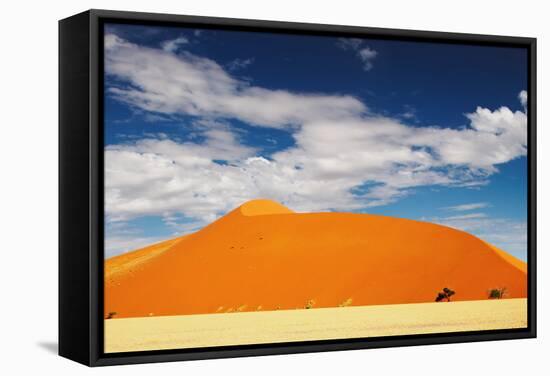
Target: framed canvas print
(238, 187)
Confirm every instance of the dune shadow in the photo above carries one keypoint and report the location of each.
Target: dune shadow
(50, 347)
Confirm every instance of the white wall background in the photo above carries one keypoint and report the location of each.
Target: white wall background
(28, 170)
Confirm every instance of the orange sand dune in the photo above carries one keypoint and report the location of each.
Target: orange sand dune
(262, 256)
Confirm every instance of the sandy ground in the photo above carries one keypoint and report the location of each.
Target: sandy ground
(171, 332)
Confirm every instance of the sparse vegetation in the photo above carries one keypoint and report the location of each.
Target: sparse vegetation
(299, 325)
(346, 303)
(110, 315)
(497, 293)
(444, 295)
(241, 308)
(310, 303)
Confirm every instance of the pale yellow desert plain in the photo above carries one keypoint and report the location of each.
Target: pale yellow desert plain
(222, 329)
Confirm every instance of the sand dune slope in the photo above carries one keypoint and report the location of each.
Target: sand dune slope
(262, 256)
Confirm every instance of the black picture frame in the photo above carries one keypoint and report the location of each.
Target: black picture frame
(81, 188)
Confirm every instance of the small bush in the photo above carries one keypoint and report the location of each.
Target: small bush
(110, 315)
(444, 295)
(310, 303)
(346, 302)
(497, 293)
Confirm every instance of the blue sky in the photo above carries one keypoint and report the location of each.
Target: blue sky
(199, 121)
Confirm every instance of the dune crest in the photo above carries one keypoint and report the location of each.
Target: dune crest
(264, 255)
(263, 207)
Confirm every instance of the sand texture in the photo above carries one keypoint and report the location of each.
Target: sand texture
(172, 332)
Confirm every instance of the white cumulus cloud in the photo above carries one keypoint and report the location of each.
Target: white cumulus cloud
(168, 83)
(522, 96)
(343, 157)
(173, 44)
(467, 207)
(363, 52)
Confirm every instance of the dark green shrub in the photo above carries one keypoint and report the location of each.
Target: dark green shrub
(497, 293)
(444, 295)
